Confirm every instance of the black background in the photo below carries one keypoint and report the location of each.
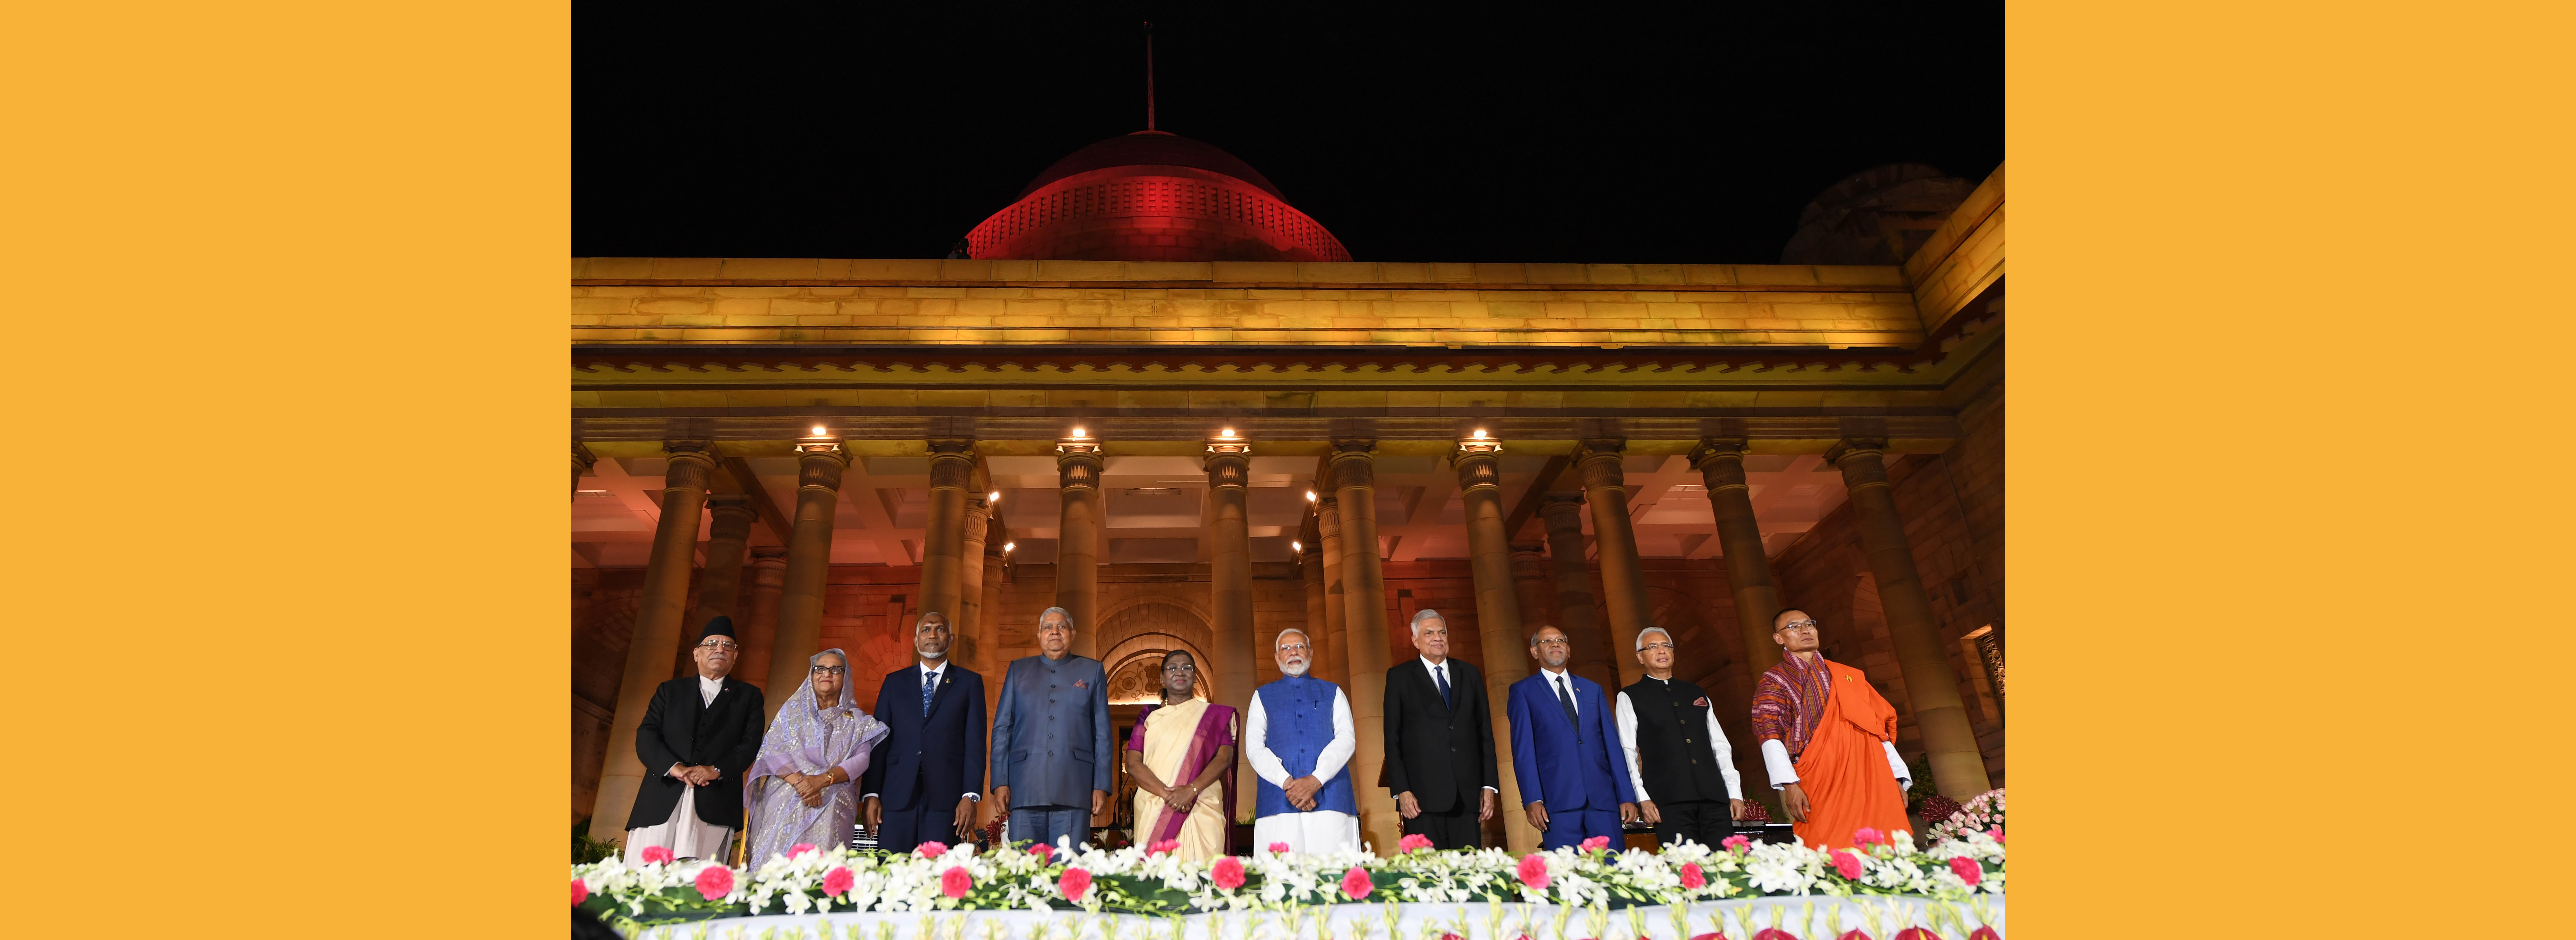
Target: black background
(1590, 134)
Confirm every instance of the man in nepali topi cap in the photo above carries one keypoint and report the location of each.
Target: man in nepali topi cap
(698, 737)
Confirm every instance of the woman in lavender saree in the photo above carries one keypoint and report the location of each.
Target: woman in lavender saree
(800, 788)
(1189, 743)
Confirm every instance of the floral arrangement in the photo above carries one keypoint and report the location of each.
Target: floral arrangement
(1983, 813)
(1152, 880)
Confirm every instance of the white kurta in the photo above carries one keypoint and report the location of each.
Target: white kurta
(1321, 831)
(684, 833)
(1626, 713)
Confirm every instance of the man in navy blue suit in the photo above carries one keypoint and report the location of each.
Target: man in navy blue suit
(1563, 736)
(935, 712)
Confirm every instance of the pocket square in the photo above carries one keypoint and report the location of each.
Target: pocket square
(1701, 701)
(1082, 683)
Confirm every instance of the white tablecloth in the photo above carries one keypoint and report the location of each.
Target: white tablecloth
(1809, 918)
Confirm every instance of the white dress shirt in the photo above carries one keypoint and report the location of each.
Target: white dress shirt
(1626, 715)
(1346, 741)
(1556, 679)
(1439, 675)
(1775, 758)
(707, 689)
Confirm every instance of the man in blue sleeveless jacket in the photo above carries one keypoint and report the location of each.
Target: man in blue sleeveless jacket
(1299, 738)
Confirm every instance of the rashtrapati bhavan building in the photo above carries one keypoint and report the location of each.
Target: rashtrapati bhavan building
(1153, 392)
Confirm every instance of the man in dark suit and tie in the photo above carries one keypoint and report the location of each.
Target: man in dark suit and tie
(1563, 736)
(934, 713)
(699, 735)
(1440, 741)
(1051, 734)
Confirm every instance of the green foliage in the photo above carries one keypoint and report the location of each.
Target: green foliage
(585, 849)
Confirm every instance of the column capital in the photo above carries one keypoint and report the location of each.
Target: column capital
(979, 505)
(1598, 460)
(1528, 550)
(1561, 509)
(1077, 464)
(769, 556)
(1720, 462)
(1862, 461)
(1479, 464)
(735, 505)
(1354, 462)
(819, 462)
(1228, 463)
(582, 458)
(691, 464)
(952, 463)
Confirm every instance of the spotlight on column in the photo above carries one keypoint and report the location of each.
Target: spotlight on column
(993, 497)
(1295, 546)
(1229, 432)
(1310, 496)
(1077, 432)
(818, 430)
(1007, 546)
(1480, 434)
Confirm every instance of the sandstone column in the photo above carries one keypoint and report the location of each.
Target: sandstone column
(1229, 470)
(969, 618)
(809, 567)
(1364, 599)
(1337, 609)
(582, 460)
(1498, 615)
(1623, 579)
(728, 531)
(1748, 571)
(1958, 770)
(943, 546)
(757, 628)
(1537, 587)
(1575, 613)
(658, 625)
(1310, 564)
(1077, 553)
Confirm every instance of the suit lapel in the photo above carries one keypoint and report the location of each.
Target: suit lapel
(1432, 686)
(938, 694)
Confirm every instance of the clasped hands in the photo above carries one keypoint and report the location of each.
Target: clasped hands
(809, 787)
(694, 776)
(1301, 792)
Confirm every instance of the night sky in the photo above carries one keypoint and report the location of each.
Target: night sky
(1501, 134)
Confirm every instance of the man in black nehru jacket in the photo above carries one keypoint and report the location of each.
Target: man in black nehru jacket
(1678, 757)
(699, 734)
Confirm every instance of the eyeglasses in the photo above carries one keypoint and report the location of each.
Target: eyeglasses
(1659, 646)
(1799, 625)
(830, 670)
(1293, 648)
(1180, 667)
(1549, 641)
(720, 645)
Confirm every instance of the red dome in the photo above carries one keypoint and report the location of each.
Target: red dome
(1153, 196)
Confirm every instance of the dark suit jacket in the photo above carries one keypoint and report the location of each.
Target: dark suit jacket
(1442, 754)
(1548, 761)
(678, 729)
(942, 755)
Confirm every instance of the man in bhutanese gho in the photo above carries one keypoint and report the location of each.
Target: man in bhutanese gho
(1299, 737)
(1678, 758)
(1828, 741)
(698, 737)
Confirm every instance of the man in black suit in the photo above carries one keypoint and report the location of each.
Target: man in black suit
(1440, 741)
(698, 737)
(935, 713)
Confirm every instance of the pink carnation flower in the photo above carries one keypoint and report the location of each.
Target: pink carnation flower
(580, 892)
(837, 881)
(1596, 843)
(1967, 870)
(1848, 864)
(1734, 842)
(1279, 848)
(1533, 871)
(654, 854)
(932, 849)
(1865, 835)
(1165, 847)
(715, 881)
(1413, 842)
(799, 849)
(1692, 877)
(1915, 933)
(1356, 883)
(955, 882)
(1985, 933)
(1998, 833)
(1042, 851)
(1227, 873)
(1074, 884)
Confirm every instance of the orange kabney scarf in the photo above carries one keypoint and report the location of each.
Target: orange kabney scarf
(1844, 770)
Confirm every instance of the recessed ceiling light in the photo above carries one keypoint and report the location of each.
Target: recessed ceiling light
(818, 430)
